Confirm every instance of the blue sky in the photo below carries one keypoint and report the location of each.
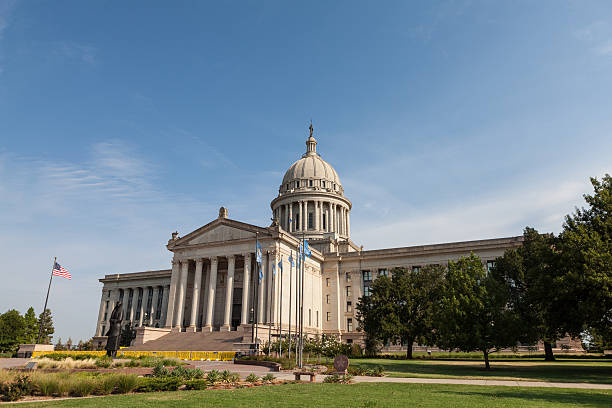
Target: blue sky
(122, 122)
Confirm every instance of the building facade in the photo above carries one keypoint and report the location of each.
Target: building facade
(215, 284)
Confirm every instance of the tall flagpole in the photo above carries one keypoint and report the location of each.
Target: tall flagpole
(280, 312)
(290, 291)
(46, 300)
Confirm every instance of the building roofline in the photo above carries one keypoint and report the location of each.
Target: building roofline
(136, 275)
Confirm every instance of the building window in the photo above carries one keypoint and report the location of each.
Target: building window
(490, 266)
(327, 282)
(328, 316)
(349, 341)
(367, 291)
(383, 272)
(108, 294)
(327, 299)
(129, 303)
(149, 300)
(349, 324)
(348, 291)
(103, 330)
(310, 183)
(367, 281)
(324, 221)
(416, 268)
(309, 317)
(297, 184)
(322, 183)
(317, 318)
(348, 276)
(297, 221)
(367, 276)
(287, 186)
(349, 307)
(310, 220)
(105, 311)
(121, 295)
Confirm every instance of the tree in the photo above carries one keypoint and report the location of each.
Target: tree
(45, 322)
(31, 327)
(127, 335)
(69, 344)
(585, 245)
(59, 346)
(12, 329)
(475, 311)
(401, 308)
(532, 273)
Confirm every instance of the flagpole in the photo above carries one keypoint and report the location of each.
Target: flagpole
(46, 300)
(280, 312)
(290, 291)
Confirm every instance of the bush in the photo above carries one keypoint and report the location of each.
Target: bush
(126, 383)
(158, 384)
(340, 379)
(213, 376)
(160, 370)
(104, 362)
(268, 378)
(81, 387)
(16, 389)
(197, 384)
(106, 385)
(377, 371)
(252, 378)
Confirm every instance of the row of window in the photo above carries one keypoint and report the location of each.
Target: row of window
(139, 300)
(311, 183)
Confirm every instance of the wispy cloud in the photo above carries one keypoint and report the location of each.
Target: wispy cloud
(73, 50)
(6, 10)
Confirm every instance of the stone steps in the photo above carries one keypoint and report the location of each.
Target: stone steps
(199, 341)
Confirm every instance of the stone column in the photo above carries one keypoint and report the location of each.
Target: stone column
(101, 314)
(261, 293)
(142, 306)
(229, 293)
(244, 315)
(212, 289)
(154, 302)
(317, 216)
(332, 217)
(301, 220)
(290, 217)
(348, 223)
(180, 294)
(195, 298)
(306, 215)
(273, 287)
(164, 314)
(169, 309)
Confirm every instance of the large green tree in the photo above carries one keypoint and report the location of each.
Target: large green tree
(31, 327)
(585, 245)
(12, 329)
(401, 308)
(533, 274)
(476, 312)
(45, 323)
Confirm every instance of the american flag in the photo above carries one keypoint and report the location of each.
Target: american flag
(59, 270)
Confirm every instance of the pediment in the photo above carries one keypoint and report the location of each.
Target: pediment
(221, 230)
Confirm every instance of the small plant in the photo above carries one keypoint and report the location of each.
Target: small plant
(104, 362)
(339, 379)
(106, 385)
(213, 376)
(158, 384)
(180, 372)
(81, 387)
(16, 389)
(197, 384)
(252, 378)
(268, 378)
(160, 370)
(126, 383)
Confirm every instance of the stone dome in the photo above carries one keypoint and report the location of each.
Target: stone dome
(311, 171)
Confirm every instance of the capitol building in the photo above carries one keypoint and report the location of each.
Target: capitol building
(212, 298)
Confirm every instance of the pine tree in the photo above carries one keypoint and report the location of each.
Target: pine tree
(31, 327)
(47, 329)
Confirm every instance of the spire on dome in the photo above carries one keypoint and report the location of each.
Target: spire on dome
(311, 143)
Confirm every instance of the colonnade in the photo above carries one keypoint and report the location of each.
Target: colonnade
(194, 307)
(328, 216)
(143, 305)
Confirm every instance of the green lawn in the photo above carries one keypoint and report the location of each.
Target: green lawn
(591, 371)
(354, 396)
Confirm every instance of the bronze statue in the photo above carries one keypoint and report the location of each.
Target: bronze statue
(114, 332)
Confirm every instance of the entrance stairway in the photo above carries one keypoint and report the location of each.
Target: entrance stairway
(198, 341)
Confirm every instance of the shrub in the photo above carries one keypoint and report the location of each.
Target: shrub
(160, 370)
(252, 378)
(229, 377)
(104, 362)
(158, 384)
(213, 376)
(268, 378)
(179, 371)
(340, 379)
(126, 383)
(16, 389)
(106, 385)
(197, 384)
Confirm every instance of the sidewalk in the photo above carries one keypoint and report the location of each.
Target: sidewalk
(363, 379)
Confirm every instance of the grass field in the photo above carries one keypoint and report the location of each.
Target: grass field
(354, 395)
(591, 371)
